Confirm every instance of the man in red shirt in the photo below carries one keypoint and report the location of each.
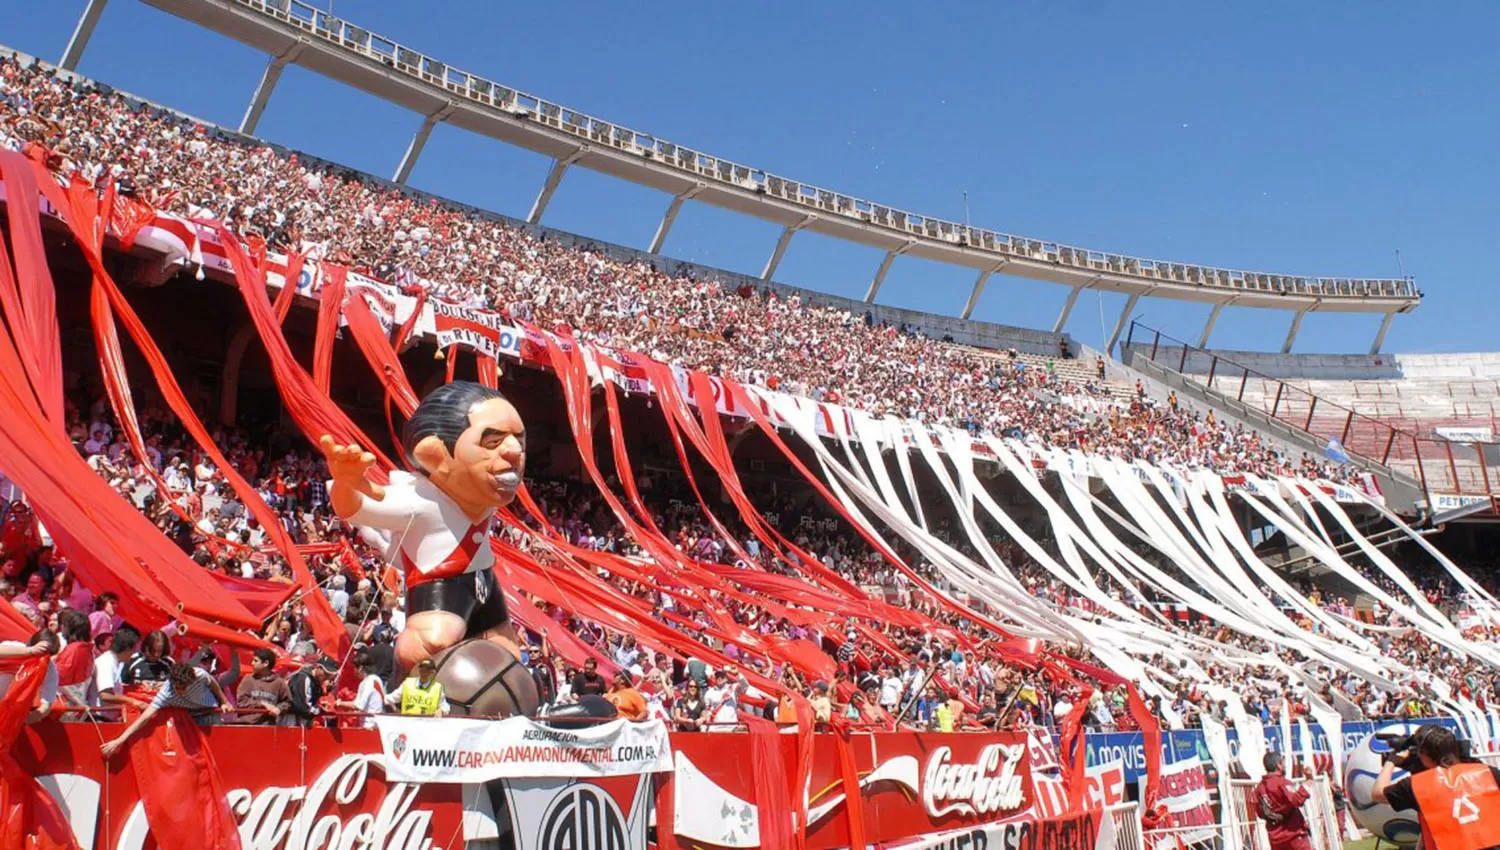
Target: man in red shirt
(1279, 804)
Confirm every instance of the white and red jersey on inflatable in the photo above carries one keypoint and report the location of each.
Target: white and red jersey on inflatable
(427, 535)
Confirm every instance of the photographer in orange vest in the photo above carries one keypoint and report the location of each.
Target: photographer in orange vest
(1458, 801)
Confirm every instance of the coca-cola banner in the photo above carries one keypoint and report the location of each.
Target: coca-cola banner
(288, 788)
(452, 749)
(318, 789)
(911, 783)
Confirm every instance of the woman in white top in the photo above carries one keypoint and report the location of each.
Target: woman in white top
(369, 700)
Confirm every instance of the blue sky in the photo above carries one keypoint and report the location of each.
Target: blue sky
(1305, 138)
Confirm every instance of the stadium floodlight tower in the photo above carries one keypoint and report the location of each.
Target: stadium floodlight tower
(293, 31)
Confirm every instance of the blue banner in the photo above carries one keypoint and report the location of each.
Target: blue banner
(1130, 748)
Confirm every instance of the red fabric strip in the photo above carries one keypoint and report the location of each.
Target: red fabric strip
(1074, 753)
(666, 812)
(330, 306)
(1151, 738)
(33, 315)
(854, 799)
(187, 801)
(379, 353)
(772, 798)
(29, 817)
(288, 293)
(109, 541)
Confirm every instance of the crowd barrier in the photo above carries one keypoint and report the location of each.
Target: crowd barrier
(293, 788)
(418, 783)
(1233, 835)
(1322, 818)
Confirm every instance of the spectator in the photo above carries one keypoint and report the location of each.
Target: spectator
(891, 687)
(724, 698)
(262, 697)
(925, 711)
(187, 687)
(105, 617)
(1279, 804)
(29, 601)
(306, 687)
(152, 664)
(688, 711)
(421, 694)
(822, 706)
(75, 663)
(109, 669)
(589, 682)
(627, 700)
(369, 700)
(538, 657)
(338, 598)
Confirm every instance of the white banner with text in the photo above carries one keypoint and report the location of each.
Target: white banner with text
(452, 749)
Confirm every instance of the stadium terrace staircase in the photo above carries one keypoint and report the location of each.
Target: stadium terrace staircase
(1388, 425)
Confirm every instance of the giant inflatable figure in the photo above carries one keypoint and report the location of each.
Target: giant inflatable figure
(467, 445)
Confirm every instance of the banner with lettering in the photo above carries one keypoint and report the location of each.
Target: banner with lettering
(1071, 832)
(480, 330)
(1106, 784)
(1129, 748)
(911, 785)
(390, 306)
(453, 749)
(1184, 791)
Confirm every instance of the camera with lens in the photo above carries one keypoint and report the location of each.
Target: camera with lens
(1403, 749)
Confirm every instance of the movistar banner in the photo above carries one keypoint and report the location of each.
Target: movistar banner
(1129, 748)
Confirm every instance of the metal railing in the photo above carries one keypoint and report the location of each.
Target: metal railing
(1231, 835)
(1451, 474)
(1319, 811)
(1127, 822)
(457, 83)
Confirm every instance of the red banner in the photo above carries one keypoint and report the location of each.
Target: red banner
(911, 784)
(295, 789)
(287, 788)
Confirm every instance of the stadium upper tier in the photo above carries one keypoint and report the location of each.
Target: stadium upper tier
(294, 32)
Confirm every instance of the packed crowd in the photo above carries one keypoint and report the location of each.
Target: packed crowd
(753, 335)
(749, 333)
(925, 684)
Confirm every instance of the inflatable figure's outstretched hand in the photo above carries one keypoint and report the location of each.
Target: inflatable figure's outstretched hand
(347, 466)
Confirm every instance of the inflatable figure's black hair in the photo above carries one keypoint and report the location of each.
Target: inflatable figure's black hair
(444, 414)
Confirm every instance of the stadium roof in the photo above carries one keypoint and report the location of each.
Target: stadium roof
(291, 31)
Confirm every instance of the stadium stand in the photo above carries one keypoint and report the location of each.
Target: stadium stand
(1428, 417)
(291, 482)
(743, 501)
